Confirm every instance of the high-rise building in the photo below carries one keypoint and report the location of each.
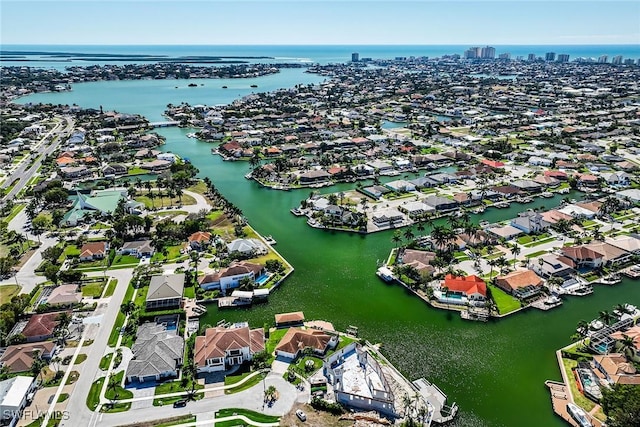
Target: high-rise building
(505, 55)
(563, 57)
(355, 57)
(471, 53)
(531, 57)
(616, 60)
(550, 56)
(628, 61)
(603, 59)
(488, 52)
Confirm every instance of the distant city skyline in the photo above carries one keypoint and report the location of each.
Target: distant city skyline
(309, 22)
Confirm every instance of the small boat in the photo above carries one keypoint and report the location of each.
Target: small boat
(546, 194)
(191, 135)
(270, 240)
(502, 205)
(254, 85)
(192, 85)
(483, 223)
(524, 200)
(611, 279)
(224, 87)
(578, 415)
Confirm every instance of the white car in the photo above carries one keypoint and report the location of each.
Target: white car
(300, 414)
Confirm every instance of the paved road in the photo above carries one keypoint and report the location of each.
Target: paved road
(23, 173)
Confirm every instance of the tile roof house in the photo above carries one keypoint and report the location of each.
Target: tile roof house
(165, 292)
(610, 254)
(530, 222)
(472, 289)
(138, 248)
(247, 247)
(296, 340)
(40, 326)
(231, 276)
(616, 369)
(520, 283)
(199, 240)
(553, 265)
(19, 357)
(157, 354)
(64, 295)
(93, 250)
(583, 256)
(294, 318)
(626, 243)
(221, 347)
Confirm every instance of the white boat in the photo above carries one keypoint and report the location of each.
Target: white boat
(578, 415)
(483, 223)
(501, 205)
(546, 194)
(270, 240)
(553, 300)
(191, 135)
(611, 279)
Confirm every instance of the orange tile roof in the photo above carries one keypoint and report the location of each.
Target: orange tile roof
(296, 316)
(298, 339)
(519, 279)
(469, 284)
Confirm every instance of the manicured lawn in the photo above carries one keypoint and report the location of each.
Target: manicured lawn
(171, 400)
(199, 188)
(578, 397)
(125, 260)
(70, 251)
(505, 302)
(165, 201)
(81, 358)
(274, 338)
(173, 387)
(137, 171)
(540, 242)
(190, 292)
(104, 362)
(252, 415)
(118, 392)
(93, 398)
(14, 212)
(214, 215)
(8, 291)
(111, 287)
(118, 407)
(536, 254)
(174, 421)
(115, 332)
(173, 253)
(100, 226)
(246, 385)
(93, 289)
(63, 397)
(73, 377)
(301, 366)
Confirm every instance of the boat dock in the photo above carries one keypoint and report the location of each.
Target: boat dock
(546, 303)
(632, 272)
(475, 313)
(560, 398)
(431, 393)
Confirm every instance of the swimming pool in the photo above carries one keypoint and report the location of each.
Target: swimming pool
(262, 279)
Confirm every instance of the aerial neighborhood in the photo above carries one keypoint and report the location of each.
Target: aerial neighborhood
(500, 186)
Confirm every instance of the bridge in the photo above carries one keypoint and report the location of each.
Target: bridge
(164, 124)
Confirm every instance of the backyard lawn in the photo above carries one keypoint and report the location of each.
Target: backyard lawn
(505, 302)
(124, 260)
(274, 338)
(93, 289)
(8, 291)
(165, 201)
(173, 253)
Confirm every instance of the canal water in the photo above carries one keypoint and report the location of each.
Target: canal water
(494, 371)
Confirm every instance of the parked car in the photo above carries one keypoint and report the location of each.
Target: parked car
(180, 403)
(300, 414)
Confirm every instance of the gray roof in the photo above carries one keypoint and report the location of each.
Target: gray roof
(155, 351)
(246, 245)
(165, 286)
(140, 245)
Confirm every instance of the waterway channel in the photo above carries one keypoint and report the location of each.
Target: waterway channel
(494, 371)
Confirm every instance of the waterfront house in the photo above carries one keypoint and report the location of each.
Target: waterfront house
(507, 232)
(632, 195)
(441, 204)
(199, 240)
(247, 247)
(616, 369)
(93, 251)
(314, 177)
(138, 248)
(527, 186)
(611, 254)
(420, 260)
(165, 292)
(114, 170)
(616, 179)
(296, 340)
(629, 244)
(156, 165)
(463, 290)
(583, 257)
(530, 222)
(157, 354)
(522, 284)
(415, 208)
(19, 357)
(400, 186)
(285, 320)
(576, 211)
(221, 347)
(387, 217)
(553, 265)
(230, 277)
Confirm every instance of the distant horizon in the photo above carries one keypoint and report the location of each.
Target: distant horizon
(318, 44)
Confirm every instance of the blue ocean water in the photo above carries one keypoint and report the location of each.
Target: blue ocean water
(322, 54)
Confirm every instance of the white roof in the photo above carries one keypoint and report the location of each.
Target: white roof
(13, 390)
(575, 210)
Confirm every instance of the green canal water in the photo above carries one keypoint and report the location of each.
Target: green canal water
(495, 372)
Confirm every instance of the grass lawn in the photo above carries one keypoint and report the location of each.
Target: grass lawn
(137, 171)
(93, 289)
(104, 362)
(246, 385)
(81, 358)
(165, 201)
(115, 332)
(174, 252)
(8, 291)
(70, 251)
(171, 400)
(301, 366)
(190, 292)
(578, 397)
(174, 421)
(536, 254)
(63, 397)
(118, 392)
(252, 415)
(118, 407)
(214, 215)
(274, 338)
(111, 287)
(540, 242)
(73, 377)
(125, 260)
(100, 226)
(93, 398)
(505, 302)
(14, 212)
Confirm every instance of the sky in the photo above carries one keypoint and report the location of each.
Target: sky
(348, 22)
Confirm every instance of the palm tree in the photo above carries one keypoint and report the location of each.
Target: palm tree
(408, 234)
(582, 327)
(622, 309)
(606, 317)
(38, 364)
(492, 263)
(515, 251)
(128, 307)
(627, 346)
(397, 237)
